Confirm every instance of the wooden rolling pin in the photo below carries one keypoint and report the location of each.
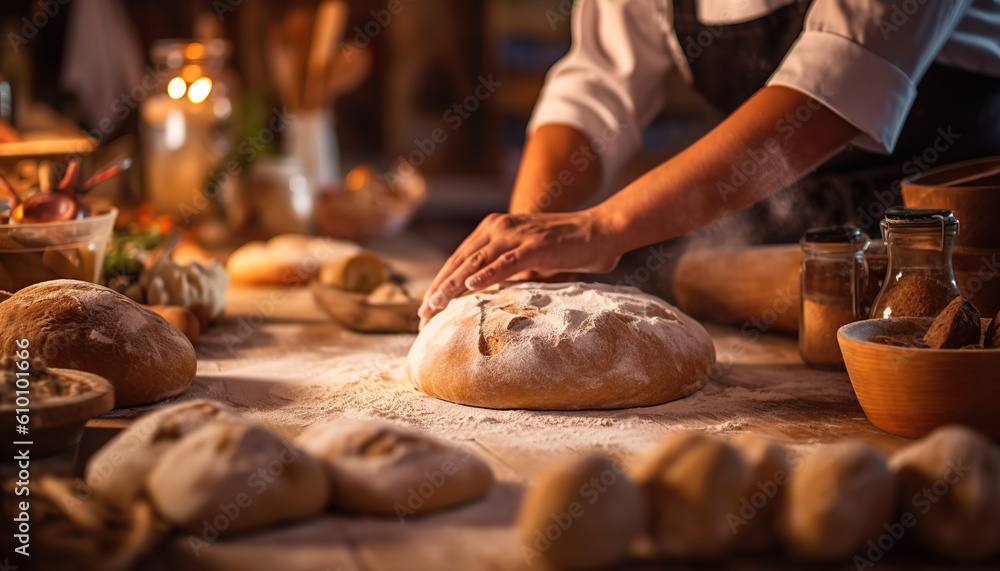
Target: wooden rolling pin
(180, 317)
(753, 287)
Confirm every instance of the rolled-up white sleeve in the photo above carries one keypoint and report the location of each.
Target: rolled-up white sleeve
(610, 84)
(864, 58)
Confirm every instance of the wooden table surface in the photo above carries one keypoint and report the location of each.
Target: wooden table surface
(295, 366)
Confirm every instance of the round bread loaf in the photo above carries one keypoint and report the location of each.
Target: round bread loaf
(87, 327)
(562, 346)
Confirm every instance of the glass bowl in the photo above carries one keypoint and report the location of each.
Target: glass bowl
(35, 253)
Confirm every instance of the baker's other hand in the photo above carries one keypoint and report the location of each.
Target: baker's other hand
(505, 245)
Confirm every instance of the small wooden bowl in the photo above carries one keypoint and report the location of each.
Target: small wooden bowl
(909, 391)
(57, 424)
(354, 311)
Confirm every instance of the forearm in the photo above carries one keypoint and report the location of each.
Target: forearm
(761, 148)
(559, 172)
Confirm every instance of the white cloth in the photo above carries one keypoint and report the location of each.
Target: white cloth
(102, 61)
(861, 58)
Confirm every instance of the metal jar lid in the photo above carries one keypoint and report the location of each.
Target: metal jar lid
(921, 217)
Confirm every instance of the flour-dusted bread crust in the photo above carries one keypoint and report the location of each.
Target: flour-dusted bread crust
(117, 472)
(87, 327)
(379, 468)
(560, 347)
(230, 476)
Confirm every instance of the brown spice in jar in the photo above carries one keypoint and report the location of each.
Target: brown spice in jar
(915, 295)
(820, 322)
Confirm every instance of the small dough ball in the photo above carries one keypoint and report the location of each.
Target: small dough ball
(838, 499)
(693, 485)
(378, 468)
(388, 292)
(583, 514)
(772, 470)
(232, 476)
(361, 272)
(950, 482)
(119, 469)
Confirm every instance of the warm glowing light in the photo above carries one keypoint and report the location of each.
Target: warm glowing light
(194, 51)
(359, 177)
(176, 88)
(191, 72)
(200, 89)
(174, 130)
(887, 313)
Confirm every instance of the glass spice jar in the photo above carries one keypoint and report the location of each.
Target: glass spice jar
(919, 281)
(832, 279)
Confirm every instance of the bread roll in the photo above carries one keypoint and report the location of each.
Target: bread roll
(87, 327)
(286, 259)
(388, 293)
(378, 468)
(583, 514)
(772, 470)
(560, 346)
(837, 500)
(693, 485)
(118, 471)
(950, 482)
(360, 273)
(230, 476)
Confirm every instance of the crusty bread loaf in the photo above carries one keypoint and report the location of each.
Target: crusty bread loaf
(286, 259)
(560, 346)
(87, 327)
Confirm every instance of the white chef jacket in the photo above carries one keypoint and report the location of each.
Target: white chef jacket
(860, 58)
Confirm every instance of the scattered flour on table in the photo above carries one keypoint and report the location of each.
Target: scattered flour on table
(359, 378)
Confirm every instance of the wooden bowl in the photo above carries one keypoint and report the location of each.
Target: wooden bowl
(354, 311)
(975, 202)
(909, 391)
(57, 424)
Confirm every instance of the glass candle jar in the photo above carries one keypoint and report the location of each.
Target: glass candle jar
(919, 280)
(185, 126)
(832, 280)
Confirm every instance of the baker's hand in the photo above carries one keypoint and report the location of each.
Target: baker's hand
(505, 245)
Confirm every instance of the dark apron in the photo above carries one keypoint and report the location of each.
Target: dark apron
(850, 188)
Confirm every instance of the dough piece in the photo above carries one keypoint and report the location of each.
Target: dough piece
(950, 481)
(87, 327)
(583, 514)
(693, 485)
(955, 327)
(387, 293)
(838, 499)
(232, 476)
(992, 337)
(361, 272)
(378, 468)
(286, 259)
(772, 470)
(117, 472)
(560, 346)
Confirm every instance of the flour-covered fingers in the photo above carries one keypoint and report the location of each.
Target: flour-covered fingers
(503, 267)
